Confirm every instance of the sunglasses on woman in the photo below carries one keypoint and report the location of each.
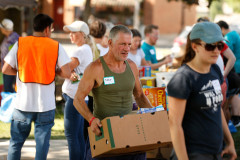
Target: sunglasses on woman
(211, 47)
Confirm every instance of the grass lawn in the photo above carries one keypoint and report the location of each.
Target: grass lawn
(236, 137)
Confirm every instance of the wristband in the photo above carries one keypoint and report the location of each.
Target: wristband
(90, 122)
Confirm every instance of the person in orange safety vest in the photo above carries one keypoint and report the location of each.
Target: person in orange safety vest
(35, 60)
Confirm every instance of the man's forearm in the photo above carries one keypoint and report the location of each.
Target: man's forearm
(7, 69)
(143, 102)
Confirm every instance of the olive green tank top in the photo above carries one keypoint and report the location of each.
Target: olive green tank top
(114, 96)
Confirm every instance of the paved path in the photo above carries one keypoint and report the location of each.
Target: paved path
(58, 150)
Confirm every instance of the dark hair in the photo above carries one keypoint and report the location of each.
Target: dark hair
(42, 21)
(136, 33)
(223, 24)
(189, 52)
(149, 28)
(203, 19)
(97, 29)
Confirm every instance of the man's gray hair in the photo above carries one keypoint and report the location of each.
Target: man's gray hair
(117, 29)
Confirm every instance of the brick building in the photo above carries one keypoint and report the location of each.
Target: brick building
(171, 17)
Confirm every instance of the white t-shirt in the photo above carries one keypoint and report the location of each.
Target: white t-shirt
(220, 63)
(137, 58)
(85, 57)
(33, 97)
(102, 50)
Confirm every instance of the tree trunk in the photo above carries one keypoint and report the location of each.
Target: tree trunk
(136, 18)
(87, 11)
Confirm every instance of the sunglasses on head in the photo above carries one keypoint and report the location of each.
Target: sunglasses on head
(211, 47)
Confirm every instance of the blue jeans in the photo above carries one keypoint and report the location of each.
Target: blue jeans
(8, 82)
(21, 127)
(197, 156)
(73, 124)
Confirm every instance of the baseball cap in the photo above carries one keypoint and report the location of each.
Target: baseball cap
(77, 26)
(7, 24)
(206, 31)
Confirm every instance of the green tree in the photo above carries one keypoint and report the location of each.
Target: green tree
(235, 4)
(87, 10)
(216, 8)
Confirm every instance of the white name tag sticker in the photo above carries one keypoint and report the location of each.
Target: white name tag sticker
(152, 51)
(108, 80)
(216, 85)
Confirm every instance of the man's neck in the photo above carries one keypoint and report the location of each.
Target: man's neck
(226, 31)
(148, 42)
(114, 65)
(39, 34)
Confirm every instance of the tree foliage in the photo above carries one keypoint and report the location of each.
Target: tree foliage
(235, 4)
(215, 9)
(87, 10)
(192, 2)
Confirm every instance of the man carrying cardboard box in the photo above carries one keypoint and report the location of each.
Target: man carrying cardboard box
(113, 79)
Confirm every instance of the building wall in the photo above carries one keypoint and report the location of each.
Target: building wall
(167, 15)
(68, 16)
(147, 11)
(47, 7)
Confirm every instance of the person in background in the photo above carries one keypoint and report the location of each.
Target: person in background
(35, 60)
(97, 30)
(116, 75)
(233, 42)
(197, 123)
(136, 54)
(10, 37)
(104, 44)
(203, 19)
(151, 37)
(225, 67)
(80, 59)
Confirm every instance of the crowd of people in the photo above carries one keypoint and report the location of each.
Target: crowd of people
(102, 77)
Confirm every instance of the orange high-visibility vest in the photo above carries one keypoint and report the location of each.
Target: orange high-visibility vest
(37, 59)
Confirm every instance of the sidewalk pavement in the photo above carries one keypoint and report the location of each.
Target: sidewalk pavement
(58, 150)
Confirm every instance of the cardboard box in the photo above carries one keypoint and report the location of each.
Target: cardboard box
(163, 78)
(148, 81)
(133, 133)
(156, 96)
(145, 71)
